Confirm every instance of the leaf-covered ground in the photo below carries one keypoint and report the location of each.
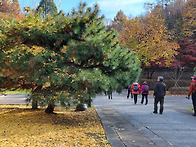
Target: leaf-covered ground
(22, 126)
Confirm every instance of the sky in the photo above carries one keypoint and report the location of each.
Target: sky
(108, 8)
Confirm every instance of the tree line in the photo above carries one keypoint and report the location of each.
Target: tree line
(164, 37)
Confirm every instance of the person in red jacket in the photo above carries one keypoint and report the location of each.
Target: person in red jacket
(135, 89)
(144, 90)
(192, 91)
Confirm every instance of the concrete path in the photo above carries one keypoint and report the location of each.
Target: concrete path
(130, 125)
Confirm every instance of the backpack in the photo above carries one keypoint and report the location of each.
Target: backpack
(135, 87)
(145, 88)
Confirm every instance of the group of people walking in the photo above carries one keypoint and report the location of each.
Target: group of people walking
(159, 92)
(135, 89)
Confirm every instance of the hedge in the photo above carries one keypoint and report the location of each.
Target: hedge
(179, 90)
(169, 83)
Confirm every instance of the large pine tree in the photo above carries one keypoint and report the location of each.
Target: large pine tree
(65, 59)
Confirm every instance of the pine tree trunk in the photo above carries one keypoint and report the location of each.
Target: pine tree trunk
(34, 104)
(50, 108)
(89, 97)
(34, 101)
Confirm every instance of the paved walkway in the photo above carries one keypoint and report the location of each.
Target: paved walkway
(130, 125)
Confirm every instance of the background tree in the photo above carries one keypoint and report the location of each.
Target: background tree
(173, 17)
(187, 52)
(65, 59)
(189, 18)
(47, 7)
(10, 9)
(171, 12)
(118, 22)
(149, 38)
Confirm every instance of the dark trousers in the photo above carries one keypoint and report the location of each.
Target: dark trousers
(156, 101)
(135, 98)
(146, 97)
(109, 95)
(129, 91)
(194, 102)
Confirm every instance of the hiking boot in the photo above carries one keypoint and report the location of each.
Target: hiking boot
(155, 112)
(161, 111)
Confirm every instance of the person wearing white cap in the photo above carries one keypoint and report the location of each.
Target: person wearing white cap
(159, 93)
(192, 91)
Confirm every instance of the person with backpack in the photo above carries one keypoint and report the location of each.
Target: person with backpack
(159, 94)
(144, 91)
(135, 89)
(192, 91)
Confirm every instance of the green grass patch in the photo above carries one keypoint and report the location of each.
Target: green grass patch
(16, 92)
(189, 108)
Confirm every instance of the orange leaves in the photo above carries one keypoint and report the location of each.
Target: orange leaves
(25, 127)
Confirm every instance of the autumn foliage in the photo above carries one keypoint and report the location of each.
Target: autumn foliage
(189, 18)
(187, 52)
(20, 126)
(149, 39)
(9, 9)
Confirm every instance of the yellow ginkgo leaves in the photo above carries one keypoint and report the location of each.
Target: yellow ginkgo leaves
(149, 39)
(25, 127)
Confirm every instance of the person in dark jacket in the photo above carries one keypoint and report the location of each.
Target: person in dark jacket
(192, 91)
(159, 94)
(129, 91)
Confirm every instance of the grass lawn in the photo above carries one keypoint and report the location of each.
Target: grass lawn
(21, 126)
(16, 92)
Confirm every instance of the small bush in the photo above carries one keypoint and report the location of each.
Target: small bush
(178, 90)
